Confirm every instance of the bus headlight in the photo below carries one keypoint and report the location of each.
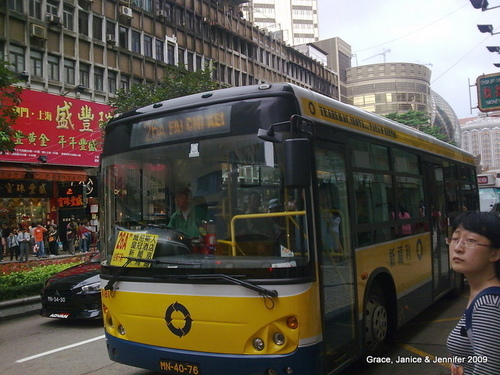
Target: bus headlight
(258, 344)
(121, 330)
(279, 338)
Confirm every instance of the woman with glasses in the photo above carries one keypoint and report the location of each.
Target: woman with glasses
(474, 248)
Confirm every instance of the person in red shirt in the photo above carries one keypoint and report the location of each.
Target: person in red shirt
(38, 233)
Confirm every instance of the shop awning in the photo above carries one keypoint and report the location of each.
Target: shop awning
(51, 173)
(9, 172)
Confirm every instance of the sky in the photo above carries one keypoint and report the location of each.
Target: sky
(441, 34)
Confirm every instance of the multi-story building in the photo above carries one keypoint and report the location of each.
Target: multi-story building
(294, 21)
(481, 137)
(72, 56)
(400, 87)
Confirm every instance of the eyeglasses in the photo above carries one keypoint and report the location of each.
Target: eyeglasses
(468, 243)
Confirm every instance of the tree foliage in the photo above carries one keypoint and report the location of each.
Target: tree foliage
(418, 120)
(9, 99)
(176, 82)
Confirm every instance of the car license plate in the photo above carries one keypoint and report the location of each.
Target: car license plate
(179, 368)
(56, 299)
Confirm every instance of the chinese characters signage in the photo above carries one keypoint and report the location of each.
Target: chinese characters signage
(488, 92)
(65, 130)
(25, 188)
(70, 196)
(134, 245)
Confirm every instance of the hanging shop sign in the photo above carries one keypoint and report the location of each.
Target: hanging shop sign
(26, 189)
(71, 196)
(58, 130)
(488, 92)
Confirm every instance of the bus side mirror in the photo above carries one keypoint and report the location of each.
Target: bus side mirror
(297, 162)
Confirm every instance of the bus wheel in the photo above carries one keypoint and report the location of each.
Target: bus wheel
(376, 321)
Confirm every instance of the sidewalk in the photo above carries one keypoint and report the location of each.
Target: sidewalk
(30, 305)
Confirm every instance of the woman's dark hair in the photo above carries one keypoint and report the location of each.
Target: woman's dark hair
(486, 224)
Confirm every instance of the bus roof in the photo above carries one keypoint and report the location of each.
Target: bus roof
(316, 107)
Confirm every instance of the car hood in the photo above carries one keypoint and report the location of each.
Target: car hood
(75, 277)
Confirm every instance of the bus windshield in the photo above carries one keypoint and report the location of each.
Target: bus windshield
(207, 205)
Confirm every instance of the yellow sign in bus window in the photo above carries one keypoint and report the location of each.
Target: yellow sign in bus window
(134, 245)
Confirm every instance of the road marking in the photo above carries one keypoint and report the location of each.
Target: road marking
(59, 349)
(422, 354)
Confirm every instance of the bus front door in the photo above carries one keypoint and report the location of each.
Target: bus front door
(439, 228)
(337, 259)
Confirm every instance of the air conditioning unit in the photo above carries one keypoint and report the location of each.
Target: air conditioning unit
(53, 19)
(38, 31)
(126, 11)
(161, 13)
(110, 38)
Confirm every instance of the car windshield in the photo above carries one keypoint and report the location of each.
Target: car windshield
(207, 204)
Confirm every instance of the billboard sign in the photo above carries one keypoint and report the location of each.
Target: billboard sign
(63, 131)
(488, 92)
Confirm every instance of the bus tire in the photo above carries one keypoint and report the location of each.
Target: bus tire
(377, 323)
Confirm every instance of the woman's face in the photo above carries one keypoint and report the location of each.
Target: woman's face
(471, 253)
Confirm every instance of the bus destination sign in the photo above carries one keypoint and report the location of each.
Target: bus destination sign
(183, 125)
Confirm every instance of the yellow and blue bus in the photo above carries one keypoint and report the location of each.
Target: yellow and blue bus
(270, 230)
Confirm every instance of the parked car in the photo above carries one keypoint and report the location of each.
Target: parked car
(74, 293)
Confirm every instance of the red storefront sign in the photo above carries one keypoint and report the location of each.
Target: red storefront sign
(58, 130)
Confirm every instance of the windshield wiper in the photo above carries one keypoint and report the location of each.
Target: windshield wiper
(121, 271)
(220, 276)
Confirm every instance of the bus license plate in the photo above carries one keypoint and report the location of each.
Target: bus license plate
(179, 368)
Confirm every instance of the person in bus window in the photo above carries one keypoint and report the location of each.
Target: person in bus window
(257, 226)
(474, 249)
(187, 218)
(406, 229)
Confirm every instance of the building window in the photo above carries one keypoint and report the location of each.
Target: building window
(68, 20)
(148, 46)
(159, 47)
(69, 71)
(16, 57)
(110, 28)
(123, 37)
(53, 7)
(136, 41)
(190, 58)
(124, 82)
(36, 62)
(97, 28)
(180, 55)
(99, 79)
(83, 23)
(84, 75)
(35, 8)
(112, 82)
(170, 54)
(16, 6)
(53, 67)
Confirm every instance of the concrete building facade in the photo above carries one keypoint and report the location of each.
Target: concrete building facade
(72, 56)
(293, 21)
(481, 137)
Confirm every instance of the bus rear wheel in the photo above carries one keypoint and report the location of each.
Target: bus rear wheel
(376, 321)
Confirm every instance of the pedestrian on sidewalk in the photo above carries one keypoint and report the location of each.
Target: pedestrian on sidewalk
(4, 244)
(39, 233)
(53, 240)
(84, 236)
(13, 244)
(71, 236)
(23, 237)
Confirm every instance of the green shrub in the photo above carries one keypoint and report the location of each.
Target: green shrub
(21, 291)
(28, 283)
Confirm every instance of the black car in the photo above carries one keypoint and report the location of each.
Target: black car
(74, 293)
